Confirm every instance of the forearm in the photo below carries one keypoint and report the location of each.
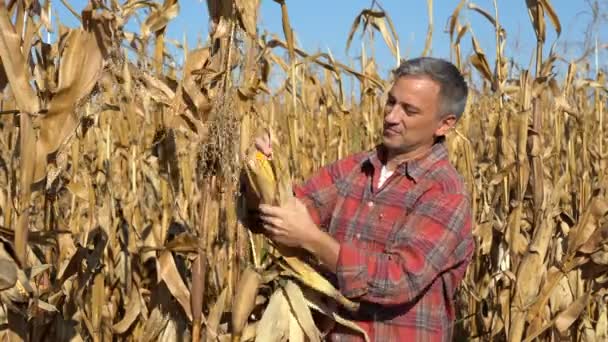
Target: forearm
(389, 278)
(324, 247)
(400, 274)
(376, 277)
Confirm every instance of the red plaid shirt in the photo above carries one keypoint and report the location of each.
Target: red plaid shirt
(404, 247)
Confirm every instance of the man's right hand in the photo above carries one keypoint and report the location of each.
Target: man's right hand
(264, 145)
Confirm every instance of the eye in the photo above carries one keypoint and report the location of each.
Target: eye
(410, 110)
(390, 101)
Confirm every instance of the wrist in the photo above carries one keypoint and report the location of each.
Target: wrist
(324, 248)
(312, 240)
(317, 240)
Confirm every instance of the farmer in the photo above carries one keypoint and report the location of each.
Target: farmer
(393, 224)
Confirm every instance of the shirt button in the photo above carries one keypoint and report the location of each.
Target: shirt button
(370, 204)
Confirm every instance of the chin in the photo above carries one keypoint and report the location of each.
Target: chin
(390, 147)
(390, 143)
(394, 147)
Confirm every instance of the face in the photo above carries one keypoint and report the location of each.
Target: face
(412, 118)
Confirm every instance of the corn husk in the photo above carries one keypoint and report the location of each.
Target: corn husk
(244, 301)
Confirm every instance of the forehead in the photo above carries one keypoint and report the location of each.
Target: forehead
(415, 89)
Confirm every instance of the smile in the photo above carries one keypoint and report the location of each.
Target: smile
(390, 131)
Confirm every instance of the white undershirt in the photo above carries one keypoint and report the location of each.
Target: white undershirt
(384, 174)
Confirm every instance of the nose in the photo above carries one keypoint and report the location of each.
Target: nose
(391, 114)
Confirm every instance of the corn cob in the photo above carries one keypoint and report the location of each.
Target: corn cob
(265, 185)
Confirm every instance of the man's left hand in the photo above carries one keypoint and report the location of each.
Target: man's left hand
(289, 225)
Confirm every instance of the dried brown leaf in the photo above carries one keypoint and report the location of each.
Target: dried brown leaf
(169, 273)
(301, 312)
(316, 303)
(287, 30)
(565, 318)
(214, 316)
(429, 32)
(15, 66)
(480, 62)
(8, 276)
(244, 299)
(274, 324)
(159, 18)
(132, 312)
(536, 13)
(183, 243)
(80, 68)
(553, 17)
(587, 225)
(247, 11)
(454, 18)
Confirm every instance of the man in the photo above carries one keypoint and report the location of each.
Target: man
(393, 224)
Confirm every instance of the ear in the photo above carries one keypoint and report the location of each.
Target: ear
(445, 124)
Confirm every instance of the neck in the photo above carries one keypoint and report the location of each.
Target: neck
(395, 158)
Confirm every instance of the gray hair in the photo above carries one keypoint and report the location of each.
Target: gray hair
(453, 87)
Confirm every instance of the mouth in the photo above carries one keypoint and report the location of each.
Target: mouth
(390, 131)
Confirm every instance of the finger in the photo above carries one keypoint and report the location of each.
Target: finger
(276, 222)
(267, 138)
(270, 210)
(264, 148)
(272, 231)
(263, 144)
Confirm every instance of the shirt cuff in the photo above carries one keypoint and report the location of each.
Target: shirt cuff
(351, 271)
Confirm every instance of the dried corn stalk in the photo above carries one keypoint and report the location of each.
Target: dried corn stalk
(113, 226)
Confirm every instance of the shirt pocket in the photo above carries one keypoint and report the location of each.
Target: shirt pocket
(379, 229)
(397, 226)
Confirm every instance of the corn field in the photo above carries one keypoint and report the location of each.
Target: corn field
(126, 178)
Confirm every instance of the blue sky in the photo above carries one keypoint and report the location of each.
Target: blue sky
(324, 25)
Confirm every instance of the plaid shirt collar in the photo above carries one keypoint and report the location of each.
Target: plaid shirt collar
(414, 168)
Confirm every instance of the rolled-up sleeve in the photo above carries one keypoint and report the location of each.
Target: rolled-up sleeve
(434, 238)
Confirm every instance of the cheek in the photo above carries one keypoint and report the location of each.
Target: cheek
(417, 122)
(408, 123)
(414, 128)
